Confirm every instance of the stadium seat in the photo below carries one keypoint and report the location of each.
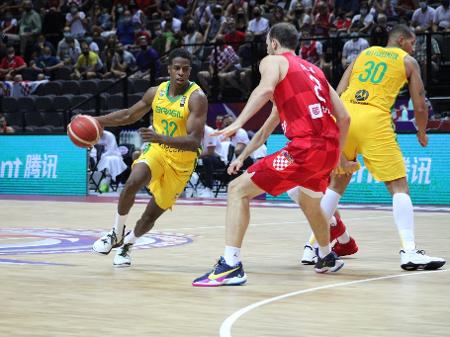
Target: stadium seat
(130, 84)
(70, 87)
(88, 87)
(25, 103)
(133, 99)
(54, 119)
(33, 119)
(117, 88)
(141, 85)
(49, 88)
(115, 102)
(62, 73)
(103, 84)
(80, 98)
(9, 104)
(15, 119)
(62, 103)
(44, 103)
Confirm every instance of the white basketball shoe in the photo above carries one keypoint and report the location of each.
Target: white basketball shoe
(416, 259)
(309, 256)
(107, 242)
(123, 257)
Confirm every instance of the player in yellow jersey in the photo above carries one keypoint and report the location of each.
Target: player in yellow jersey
(369, 88)
(179, 116)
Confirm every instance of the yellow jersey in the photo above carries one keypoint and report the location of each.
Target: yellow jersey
(377, 77)
(170, 115)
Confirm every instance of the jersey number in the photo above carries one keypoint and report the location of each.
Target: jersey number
(374, 73)
(169, 125)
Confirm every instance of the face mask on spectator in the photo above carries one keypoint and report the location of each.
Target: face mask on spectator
(67, 34)
(354, 36)
(120, 10)
(89, 39)
(363, 11)
(74, 10)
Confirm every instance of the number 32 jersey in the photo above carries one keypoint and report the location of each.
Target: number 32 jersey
(303, 102)
(377, 77)
(170, 115)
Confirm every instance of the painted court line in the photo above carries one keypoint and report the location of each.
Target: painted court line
(225, 328)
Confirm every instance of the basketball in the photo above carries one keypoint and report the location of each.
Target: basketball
(84, 131)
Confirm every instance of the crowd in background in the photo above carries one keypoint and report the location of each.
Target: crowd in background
(112, 38)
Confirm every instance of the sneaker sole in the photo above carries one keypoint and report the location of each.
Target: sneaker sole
(231, 282)
(333, 269)
(124, 265)
(308, 262)
(410, 266)
(106, 253)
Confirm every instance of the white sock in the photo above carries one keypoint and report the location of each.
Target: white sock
(324, 251)
(232, 255)
(404, 219)
(330, 202)
(294, 194)
(119, 224)
(130, 238)
(344, 238)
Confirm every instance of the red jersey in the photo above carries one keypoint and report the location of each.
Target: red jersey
(303, 102)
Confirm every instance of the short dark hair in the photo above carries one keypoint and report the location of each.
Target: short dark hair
(399, 30)
(180, 52)
(286, 34)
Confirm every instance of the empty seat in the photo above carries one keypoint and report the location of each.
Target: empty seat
(88, 87)
(53, 119)
(117, 88)
(104, 84)
(130, 84)
(115, 102)
(38, 129)
(104, 101)
(49, 88)
(133, 99)
(62, 73)
(14, 119)
(28, 74)
(70, 87)
(62, 103)
(9, 104)
(77, 99)
(141, 85)
(33, 118)
(25, 103)
(44, 103)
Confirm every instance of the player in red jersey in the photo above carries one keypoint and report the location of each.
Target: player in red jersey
(304, 103)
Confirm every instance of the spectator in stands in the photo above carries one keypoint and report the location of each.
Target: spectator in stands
(226, 65)
(4, 128)
(53, 24)
(277, 15)
(202, 14)
(323, 19)
(212, 158)
(123, 62)
(239, 140)
(405, 8)
(9, 24)
(385, 7)
(76, 20)
(173, 24)
(379, 33)
(176, 10)
(241, 20)
(30, 26)
(363, 21)
(307, 5)
(215, 25)
(259, 26)
(348, 7)
(193, 36)
(423, 16)
(441, 19)
(88, 65)
(353, 47)
(147, 61)
(68, 48)
(233, 37)
(299, 18)
(420, 54)
(40, 44)
(45, 64)
(125, 29)
(11, 65)
(342, 21)
(310, 50)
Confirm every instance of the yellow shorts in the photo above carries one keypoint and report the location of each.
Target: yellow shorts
(168, 178)
(372, 135)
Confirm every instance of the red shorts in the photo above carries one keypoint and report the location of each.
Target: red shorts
(302, 162)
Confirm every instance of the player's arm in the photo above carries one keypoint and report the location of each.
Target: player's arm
(258, 139)
(341, 115)
(417, 93)
(130, 115)
(198, 107)
(270, 75)
(345, 80)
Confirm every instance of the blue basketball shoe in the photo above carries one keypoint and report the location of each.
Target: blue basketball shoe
(331, 262)
(222, 275)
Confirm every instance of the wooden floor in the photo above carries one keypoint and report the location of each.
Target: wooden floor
(80, 294)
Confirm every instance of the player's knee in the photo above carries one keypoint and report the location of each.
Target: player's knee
(236, 189)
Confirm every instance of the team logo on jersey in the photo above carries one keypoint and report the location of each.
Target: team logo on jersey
(161, 93)
(282, 161)
(26, 241)
(362, 95)
(315, 110)
(182, 101)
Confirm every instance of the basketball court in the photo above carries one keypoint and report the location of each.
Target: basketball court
(53, 285)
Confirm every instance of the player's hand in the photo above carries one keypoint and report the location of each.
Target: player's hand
(149, 135)
(229, 131)
(422, 137)
(235, 166)
(346, 167)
